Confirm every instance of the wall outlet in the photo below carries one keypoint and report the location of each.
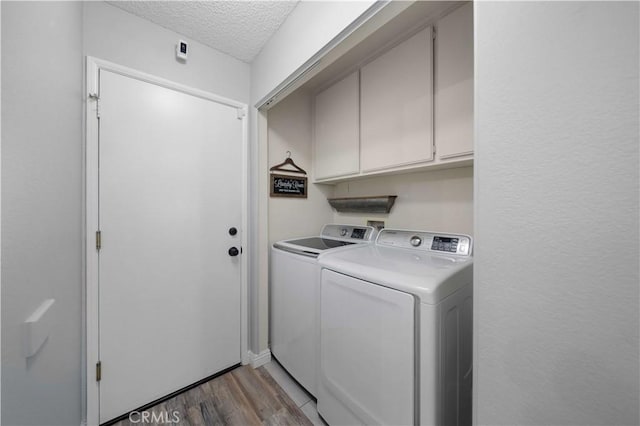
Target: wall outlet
(377, 224)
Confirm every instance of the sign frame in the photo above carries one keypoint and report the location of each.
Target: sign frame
(276, 189)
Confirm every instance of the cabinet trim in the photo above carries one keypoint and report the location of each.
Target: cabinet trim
(456, 155)
(453, 163)
(399, 165)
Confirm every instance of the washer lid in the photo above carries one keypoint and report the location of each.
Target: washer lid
(311, 246)
(332, 236)
(429, 276)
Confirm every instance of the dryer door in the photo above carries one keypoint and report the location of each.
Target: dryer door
(367, 353)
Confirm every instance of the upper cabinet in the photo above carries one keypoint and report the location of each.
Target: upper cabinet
(454, 84)
(396, 109)
(336, 129)
(407, 109)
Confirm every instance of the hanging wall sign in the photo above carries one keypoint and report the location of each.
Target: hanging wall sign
(288, 186)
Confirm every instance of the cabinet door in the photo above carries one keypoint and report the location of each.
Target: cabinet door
(337, 143)
(454, 84)
(397, 105)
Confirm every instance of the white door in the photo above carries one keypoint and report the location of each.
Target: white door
(170, 187)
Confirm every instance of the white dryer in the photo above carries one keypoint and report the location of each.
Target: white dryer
(396, 331)
(294, 295)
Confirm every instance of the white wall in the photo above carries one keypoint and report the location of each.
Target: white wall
(310, 26)
(118, 36)
(0, 217)
(43, 44)
(41, 208)
(556, 215)
(290, 130)
(439, 200)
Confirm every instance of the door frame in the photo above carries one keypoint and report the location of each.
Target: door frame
(90, 325)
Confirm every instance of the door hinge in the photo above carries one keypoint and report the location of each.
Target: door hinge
(98, 240)
(96, 97)
(98, 371)
(242, 113)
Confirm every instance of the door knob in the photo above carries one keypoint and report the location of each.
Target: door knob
(234, 251)
(233, 231)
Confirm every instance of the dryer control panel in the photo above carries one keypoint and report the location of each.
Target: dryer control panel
(437, 242)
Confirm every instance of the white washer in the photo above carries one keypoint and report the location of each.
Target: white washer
(396, 331)
(294, 295)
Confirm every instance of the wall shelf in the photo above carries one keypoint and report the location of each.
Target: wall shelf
(373, 204)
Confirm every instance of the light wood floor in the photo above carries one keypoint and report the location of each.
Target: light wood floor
(244, 396)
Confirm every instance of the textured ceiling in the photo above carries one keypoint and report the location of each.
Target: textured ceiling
(237, 28)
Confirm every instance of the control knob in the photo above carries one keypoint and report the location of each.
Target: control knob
(415, 241)
(344, 232)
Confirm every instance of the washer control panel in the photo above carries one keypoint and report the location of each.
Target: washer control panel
(426, 241)
(348, 232)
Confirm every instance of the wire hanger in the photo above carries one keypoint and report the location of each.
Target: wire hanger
(288, 162)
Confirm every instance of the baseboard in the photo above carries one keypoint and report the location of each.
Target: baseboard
(257, 360)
